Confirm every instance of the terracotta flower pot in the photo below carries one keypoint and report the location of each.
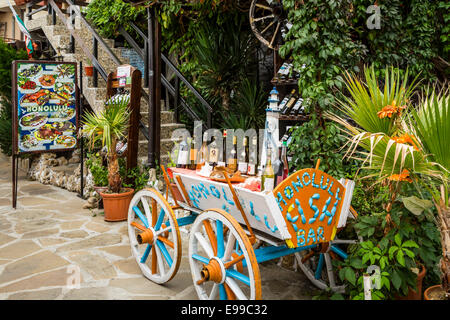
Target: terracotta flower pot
(116, 205)
(434, 293)
(89, 71)
(176, 192)
(413, 294)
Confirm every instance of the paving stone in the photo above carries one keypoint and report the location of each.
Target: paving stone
(36, 201)
(5, 201)
(128, 266)
(53, 278)
(48, 242)
(2, 261)
(4, 225)
(102, 293)
(34, 225)
(40, 234)
(36, 189)
(149, 298)
(121, 251)
(18, 249)
(4, 239)
(102, 240)
(72, 225)
(97, 227)
(33, 214)
(97, 266)
(50, 294)
(39, 262)
(74, 234)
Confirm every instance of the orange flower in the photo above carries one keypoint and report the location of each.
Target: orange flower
(390, 110)
(404, 176)
(406, 139)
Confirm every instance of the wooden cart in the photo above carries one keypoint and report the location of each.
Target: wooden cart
(232, 229)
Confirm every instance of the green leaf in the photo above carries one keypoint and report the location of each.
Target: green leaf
(410, 244)
(396, 280)
(401, 257)
(350, 275)
(398, 239)
(416, 205)
(392, 251)
(356, 263)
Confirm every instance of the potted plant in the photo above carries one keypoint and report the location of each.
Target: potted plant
(108, 126)
(88, 68)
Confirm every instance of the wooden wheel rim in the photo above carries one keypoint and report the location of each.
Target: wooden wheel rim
(326, 279)
(241, 238)
(163, 272)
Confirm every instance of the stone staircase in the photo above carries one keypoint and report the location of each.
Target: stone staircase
(59, 38)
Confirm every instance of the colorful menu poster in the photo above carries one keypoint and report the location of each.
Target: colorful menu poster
(45, 106)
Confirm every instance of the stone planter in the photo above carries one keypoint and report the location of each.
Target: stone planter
(116, 204)
(434, 293)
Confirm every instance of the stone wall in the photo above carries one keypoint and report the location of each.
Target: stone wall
(134, 58)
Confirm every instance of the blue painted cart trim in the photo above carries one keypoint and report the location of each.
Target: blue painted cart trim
(141, 216)
(318, 273)
(274, 252)
(339, 252)
(147, 251)
(165, 253)
(184, 221)
(238, 276)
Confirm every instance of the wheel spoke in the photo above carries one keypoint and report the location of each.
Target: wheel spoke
(339, 252)
(308, 256)
(234, 261)
(161, 216)
(146, 206)
(330, 274)
(235, 288)
(238, 276)
(141, 216)
(267, 28)
(220, 239)
(229, 247)
(339, 241)
(200, 258)
(138, 226)
(214, 290)
(274, 34)
(154, 260)
(318, 273)
(262, 18)
(166, 241)
(230, 293)
(222, 292)
(164, 252)
(205, 245)
(211, 236)
(263, 6)
(146, 253)
(161, 268)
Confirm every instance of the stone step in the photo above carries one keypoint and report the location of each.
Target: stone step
(166, 130)
(164, 160)
(166, 116)
(166, 146)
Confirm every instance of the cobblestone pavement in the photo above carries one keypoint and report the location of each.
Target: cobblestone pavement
(49, 236)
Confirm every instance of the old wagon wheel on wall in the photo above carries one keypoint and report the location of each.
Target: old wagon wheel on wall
(268, 21)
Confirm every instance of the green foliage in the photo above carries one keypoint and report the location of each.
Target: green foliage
(5, 127)
(137, 176)
(98, 171)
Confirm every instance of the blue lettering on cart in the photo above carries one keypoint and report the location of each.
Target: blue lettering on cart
(252, 212)
(329, 189)
(279, 200)
(297, 184)
(320, 233)
(288, 192)
(225, 197)
(324, 187)
(313, 178)
(214, 191)
(198, 194)
(303, 178)
(315, 196)
(292, 220)
(224, 207)
(300, 211)
(311, 235)
(337, 194)
(203, 190)
(193, 199)
(301, 237)
(327, 213)
(268, 226)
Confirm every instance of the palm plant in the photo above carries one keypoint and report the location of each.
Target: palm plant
(109, 126)
(402, 144)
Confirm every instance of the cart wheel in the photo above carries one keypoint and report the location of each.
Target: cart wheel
(317, 263)
(222, 267)
(154, 235)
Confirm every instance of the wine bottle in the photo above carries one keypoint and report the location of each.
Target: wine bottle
(278, 168)
(284, 160)
(202, 153)
(268, 176)
(290, 103)
(213, 158)
(232, 160)
(285, 100)
(253, 157)
(183, 155)
(281, 74)
(243, 163)
(193, 155)
(297, 107)
(223, 162)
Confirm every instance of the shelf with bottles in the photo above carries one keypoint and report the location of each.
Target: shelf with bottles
(286, 75)
(207, 161)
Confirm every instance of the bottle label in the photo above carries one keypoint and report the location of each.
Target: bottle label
(268, 184)
(251, 170)
(183, 157)
(214, 155)
(243, 167)
(193, 154)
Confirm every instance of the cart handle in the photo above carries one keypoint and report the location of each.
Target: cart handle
(252, 236)
(169, 187)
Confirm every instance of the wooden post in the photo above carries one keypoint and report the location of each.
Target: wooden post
(157, 78)
(133, 130)
(151, 87)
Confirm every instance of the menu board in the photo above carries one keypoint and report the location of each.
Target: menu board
(45, 106)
